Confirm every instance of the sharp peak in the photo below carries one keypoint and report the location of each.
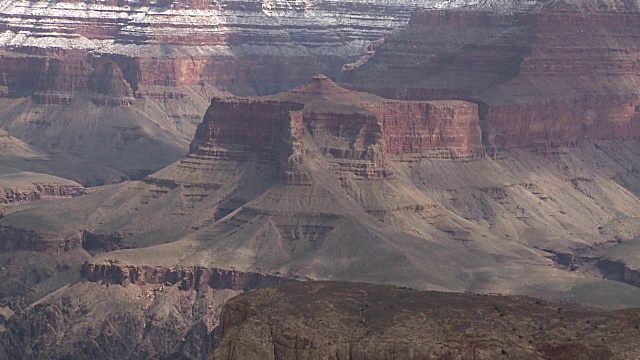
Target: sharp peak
(320, 84)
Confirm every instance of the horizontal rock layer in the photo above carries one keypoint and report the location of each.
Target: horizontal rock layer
(542, 79)
(354, 131)
(40, 192)
(245, 47)
(17, 239)
(187, 278)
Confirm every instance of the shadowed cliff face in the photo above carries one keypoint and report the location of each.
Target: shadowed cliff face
(542, 79)
(88, 321)
(108, 81)
(363, 321)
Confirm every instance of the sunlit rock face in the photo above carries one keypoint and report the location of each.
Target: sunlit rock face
(240, 46)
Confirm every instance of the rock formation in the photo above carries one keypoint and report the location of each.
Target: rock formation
(186, 279)
(543, 79)
(136, 322)
(139, 74)
(274, 185)
(22, 187)
(231, 45)
(363, 321)
(355, 131)
(318, 182)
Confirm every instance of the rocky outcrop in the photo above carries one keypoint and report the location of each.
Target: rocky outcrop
(26, 187)
(58, 77)
(618, 270)
(354, 131)
(543, 79)
(187, 278)
(15, 239)
(108, 82)
(105, 69)
(40, 192)
(89, 320)
(364, 321)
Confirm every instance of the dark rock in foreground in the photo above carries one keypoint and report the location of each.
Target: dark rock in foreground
(339, 320)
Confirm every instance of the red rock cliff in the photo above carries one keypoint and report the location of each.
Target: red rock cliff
(545, 78)
(354, 131)
(241, 46)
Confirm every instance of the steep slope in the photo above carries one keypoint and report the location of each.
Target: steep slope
(324, 183)
(12, 147)
(17, 157)
(140, 322)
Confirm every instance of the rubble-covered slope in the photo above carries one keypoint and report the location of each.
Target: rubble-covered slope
(364, 321)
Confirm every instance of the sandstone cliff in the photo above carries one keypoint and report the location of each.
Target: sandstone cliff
(231, 45)
(185, 278)
(353, 129)
(138, 75)
(543, 79)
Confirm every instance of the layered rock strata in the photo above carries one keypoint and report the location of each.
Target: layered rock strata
(355, 131)
(545, 78)
(231, 45)
(139, 74)
(24, 187)
(186, 278)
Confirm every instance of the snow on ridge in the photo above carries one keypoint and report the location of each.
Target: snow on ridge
(78, 25)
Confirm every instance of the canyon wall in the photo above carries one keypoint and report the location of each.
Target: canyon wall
(238, 46)
(138, 75)
(354, 131)
(416, 127)
(189, 278)
(16, 239)
(26, 186)
(542, 79)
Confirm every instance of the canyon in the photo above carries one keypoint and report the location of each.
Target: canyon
(121, 86)
(161, 158)
(320, 183)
